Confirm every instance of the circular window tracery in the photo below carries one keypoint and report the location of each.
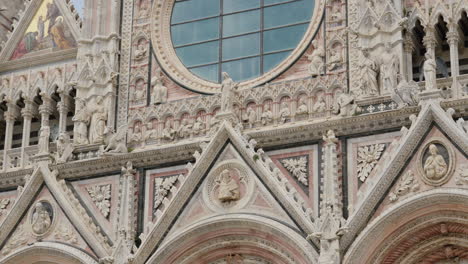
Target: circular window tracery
(253, 40)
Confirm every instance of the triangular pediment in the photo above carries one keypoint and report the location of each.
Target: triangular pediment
(434, 126)
(228, 178)
(45, 208)
(253, 197)
(46, 26)
(44, 221)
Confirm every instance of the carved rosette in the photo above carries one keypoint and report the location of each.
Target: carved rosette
(367, 158)
(229, 186)
(436, 162)
(101, 196)
(297, 167)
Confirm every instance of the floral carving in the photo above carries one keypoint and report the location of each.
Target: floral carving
(462, 176)
(367, 158)
(162, 186)
(297, 166)
(18, 239)
(3, 205)
(101, 195)
(65, 234)
(406, 185)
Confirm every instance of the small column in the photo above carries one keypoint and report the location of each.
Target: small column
(46, 109)
(452, 39)
(63, 109)
(408, 48)
(10, 116)
(27, 112)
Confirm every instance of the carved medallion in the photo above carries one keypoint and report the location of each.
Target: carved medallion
(41, 218)
(228, 186)
(436, 162)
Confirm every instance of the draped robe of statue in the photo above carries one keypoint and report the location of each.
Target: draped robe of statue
(97, 124)
(429, 68)
(389, 70)
(228, 88)
(368, 75)
(228, 188)
(41, 220)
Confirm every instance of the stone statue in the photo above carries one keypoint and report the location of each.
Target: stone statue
(159, 95)
(316, 59)
(228, 89)
(284, 113)
(97, 125)
(336, 58)
(41, 219)
(184, 128)
(368, 75)
(64, 148)
(435, 166)
(136, 135)
(302, 108)
(198, 126)
(81, 120)
(267, 115)
(151, 132)
(44, 135)
(251, 117)
(389, 69)
(228, 188)
(140, 52)
(405, 94)
(320, 104)
(429, 68)
(115, 142)
(344, 105)
(168, 131)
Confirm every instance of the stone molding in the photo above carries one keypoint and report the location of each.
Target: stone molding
(397, 212)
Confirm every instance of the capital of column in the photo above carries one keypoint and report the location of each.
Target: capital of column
(29, 108)
(27, 113)
(453, 37)
(429, 39)
(12, 113)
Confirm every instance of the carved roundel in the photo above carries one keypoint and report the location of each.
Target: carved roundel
(242, 31)
(228, 187)
(436, 162)
(41, 218)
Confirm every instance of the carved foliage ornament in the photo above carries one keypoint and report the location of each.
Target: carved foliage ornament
(3, 205)
(101, 196)
(367, 158)
(407, 184)
(297, 166)
(162, 187)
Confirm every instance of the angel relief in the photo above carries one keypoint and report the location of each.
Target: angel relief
(46, 31)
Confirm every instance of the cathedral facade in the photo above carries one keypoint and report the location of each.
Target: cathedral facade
(234, 131)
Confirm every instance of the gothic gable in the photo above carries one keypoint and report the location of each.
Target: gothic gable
(228, 177)
(417, 139)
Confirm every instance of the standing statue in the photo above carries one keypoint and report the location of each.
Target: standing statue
(228, 89)
(228, 188)
(97, 125)
(250, 117)
(316, 59)
(81, 120)
(368, 75)
(389, 69)
(429, 69)
(44, 135)
(159, 95)
(41, 219)
(336, 58)
(435, 166)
